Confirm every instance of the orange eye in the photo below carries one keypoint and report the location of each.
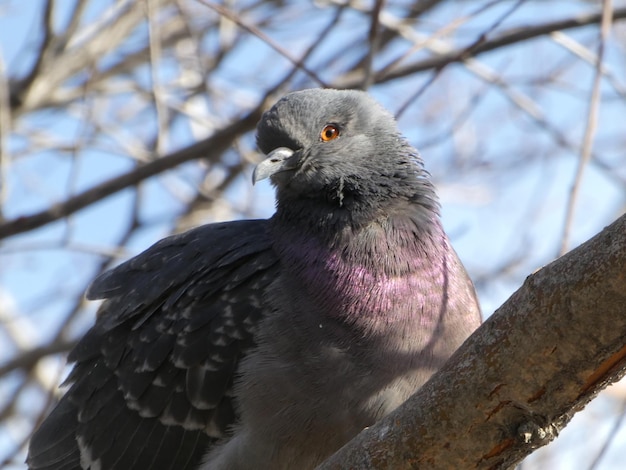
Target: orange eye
(330, 132)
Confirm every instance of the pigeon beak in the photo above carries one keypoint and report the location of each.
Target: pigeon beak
(277, 160)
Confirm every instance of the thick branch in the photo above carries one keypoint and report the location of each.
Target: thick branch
(519, 379)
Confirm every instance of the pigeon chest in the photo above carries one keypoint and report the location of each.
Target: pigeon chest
(321, 374)
(374, 285)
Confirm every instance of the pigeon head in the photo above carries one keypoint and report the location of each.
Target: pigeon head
(339, 147)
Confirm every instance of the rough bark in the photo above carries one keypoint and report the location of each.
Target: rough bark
(519, 379)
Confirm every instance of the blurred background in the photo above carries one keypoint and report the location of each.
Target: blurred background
(124, 121)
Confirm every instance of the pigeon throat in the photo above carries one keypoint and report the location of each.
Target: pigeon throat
(336, 218)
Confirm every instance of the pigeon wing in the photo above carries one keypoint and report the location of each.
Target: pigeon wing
(152, 381)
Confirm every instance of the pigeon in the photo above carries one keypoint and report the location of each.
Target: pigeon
(269, 344)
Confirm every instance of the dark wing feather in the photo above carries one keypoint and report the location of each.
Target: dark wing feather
(152, 384)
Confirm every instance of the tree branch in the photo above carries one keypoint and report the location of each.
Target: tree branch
(26, 360)
(210, 148)
(591, 127)
(521, 376)
(354, 78)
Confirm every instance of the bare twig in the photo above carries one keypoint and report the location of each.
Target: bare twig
(28, 359)
(43, 50)
(611, 437)
(423, 43)
(592, 122)
(263, 37)
(210, 149)
(351, 80)
(588, 56)
(5, 127)
(374, 43)
(468, 52)
(157, 92)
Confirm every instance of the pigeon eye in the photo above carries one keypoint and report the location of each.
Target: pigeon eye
(330, 132)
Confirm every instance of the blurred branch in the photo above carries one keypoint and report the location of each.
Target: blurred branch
(517, 35)
(73, 55)
(210, 149)
(611, 437)
(592, 123)
(298, 63)
(528, 106)
(588, 56)
(26, 360)
(44, 48)
(374, 44)
(481, 39)
(5, 128)
(154, 40)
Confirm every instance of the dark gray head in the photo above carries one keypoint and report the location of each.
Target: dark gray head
(339, 147)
